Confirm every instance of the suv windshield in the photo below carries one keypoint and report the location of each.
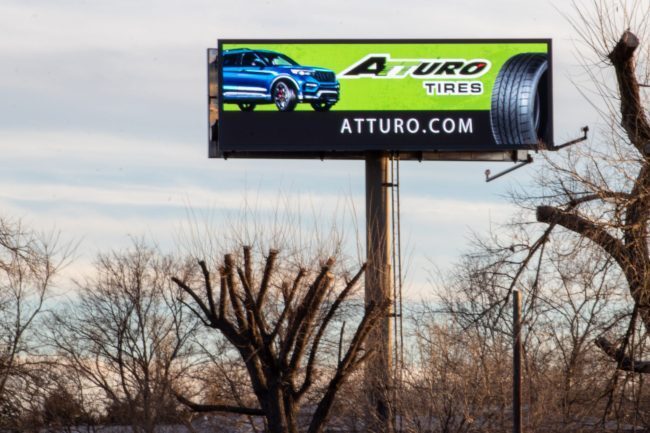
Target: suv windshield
(277, 59)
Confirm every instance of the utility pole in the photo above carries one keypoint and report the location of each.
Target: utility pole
(378, 290)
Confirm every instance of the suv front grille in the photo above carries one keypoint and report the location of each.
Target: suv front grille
(325, 77)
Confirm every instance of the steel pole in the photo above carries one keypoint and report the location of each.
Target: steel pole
(378, 290)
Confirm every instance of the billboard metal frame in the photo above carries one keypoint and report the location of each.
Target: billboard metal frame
(485, 153)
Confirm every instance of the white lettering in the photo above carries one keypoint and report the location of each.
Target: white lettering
(412, 125)
(371, 125)
(449, 126)
(398, 126)
(384, 126)
(465, 126)
(359, 125)
(432, 125)
(345, 127)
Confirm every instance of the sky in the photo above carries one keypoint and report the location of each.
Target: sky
(103, 122)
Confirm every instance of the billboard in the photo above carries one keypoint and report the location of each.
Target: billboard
(324, 98)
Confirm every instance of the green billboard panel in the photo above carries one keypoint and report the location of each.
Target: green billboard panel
(315, 98)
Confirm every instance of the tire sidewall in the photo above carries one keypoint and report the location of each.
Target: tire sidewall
(521, 80)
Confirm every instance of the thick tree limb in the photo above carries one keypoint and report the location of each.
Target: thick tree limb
(196, 407)
(252, 315)
(252, 306)
(350, 361)
(248, 265)
(234, 299)
(319, 335)
(633, 118)
(223, 293)
(208, 285)
(268, 271)
(586, 228)
(297, 321)
(601, 195)
(625, 363)
(187, 289)
(307, 329)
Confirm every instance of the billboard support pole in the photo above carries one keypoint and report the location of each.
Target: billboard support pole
(378, 290)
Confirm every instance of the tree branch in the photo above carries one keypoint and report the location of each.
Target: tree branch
(624, 362)
(319, 335)
(350, 362)
(268, 270)
(601, 195)
(208, 286)
(586, 228)
(296, 322)
(223, 293)
(218, 407)
(306, 329)
(234, 299)
(194, 296)
(258, 324)
(633, 118)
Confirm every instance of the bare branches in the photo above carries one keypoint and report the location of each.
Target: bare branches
(29, 263)
(127, 334)
(274, 325)
(323, 326)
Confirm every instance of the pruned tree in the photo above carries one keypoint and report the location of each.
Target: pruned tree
(611, 208)
(597, 195)
(278, 323)
(583, 261)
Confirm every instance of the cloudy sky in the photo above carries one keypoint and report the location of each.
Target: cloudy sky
(103, 119)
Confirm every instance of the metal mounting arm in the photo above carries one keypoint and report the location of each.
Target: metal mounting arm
(489, 178)
(585, 129)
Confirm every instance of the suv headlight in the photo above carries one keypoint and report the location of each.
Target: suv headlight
(302, 72)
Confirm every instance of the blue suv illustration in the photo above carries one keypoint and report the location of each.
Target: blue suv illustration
(252, 77)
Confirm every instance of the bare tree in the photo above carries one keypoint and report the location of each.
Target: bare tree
(29, 262)
(278, 323)
(613, 212)
(585, 270)
(603, 199)
(128, 336)
(457, 380)
(568, 304)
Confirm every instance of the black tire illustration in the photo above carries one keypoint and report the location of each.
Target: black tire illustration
(246, 106)
(284, 96)
(321, 106)
(519, 100)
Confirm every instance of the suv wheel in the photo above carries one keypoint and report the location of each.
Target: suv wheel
(284, 96)
(321, 106)
(246, 106)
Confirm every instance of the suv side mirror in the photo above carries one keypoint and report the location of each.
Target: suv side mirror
(258, 62)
